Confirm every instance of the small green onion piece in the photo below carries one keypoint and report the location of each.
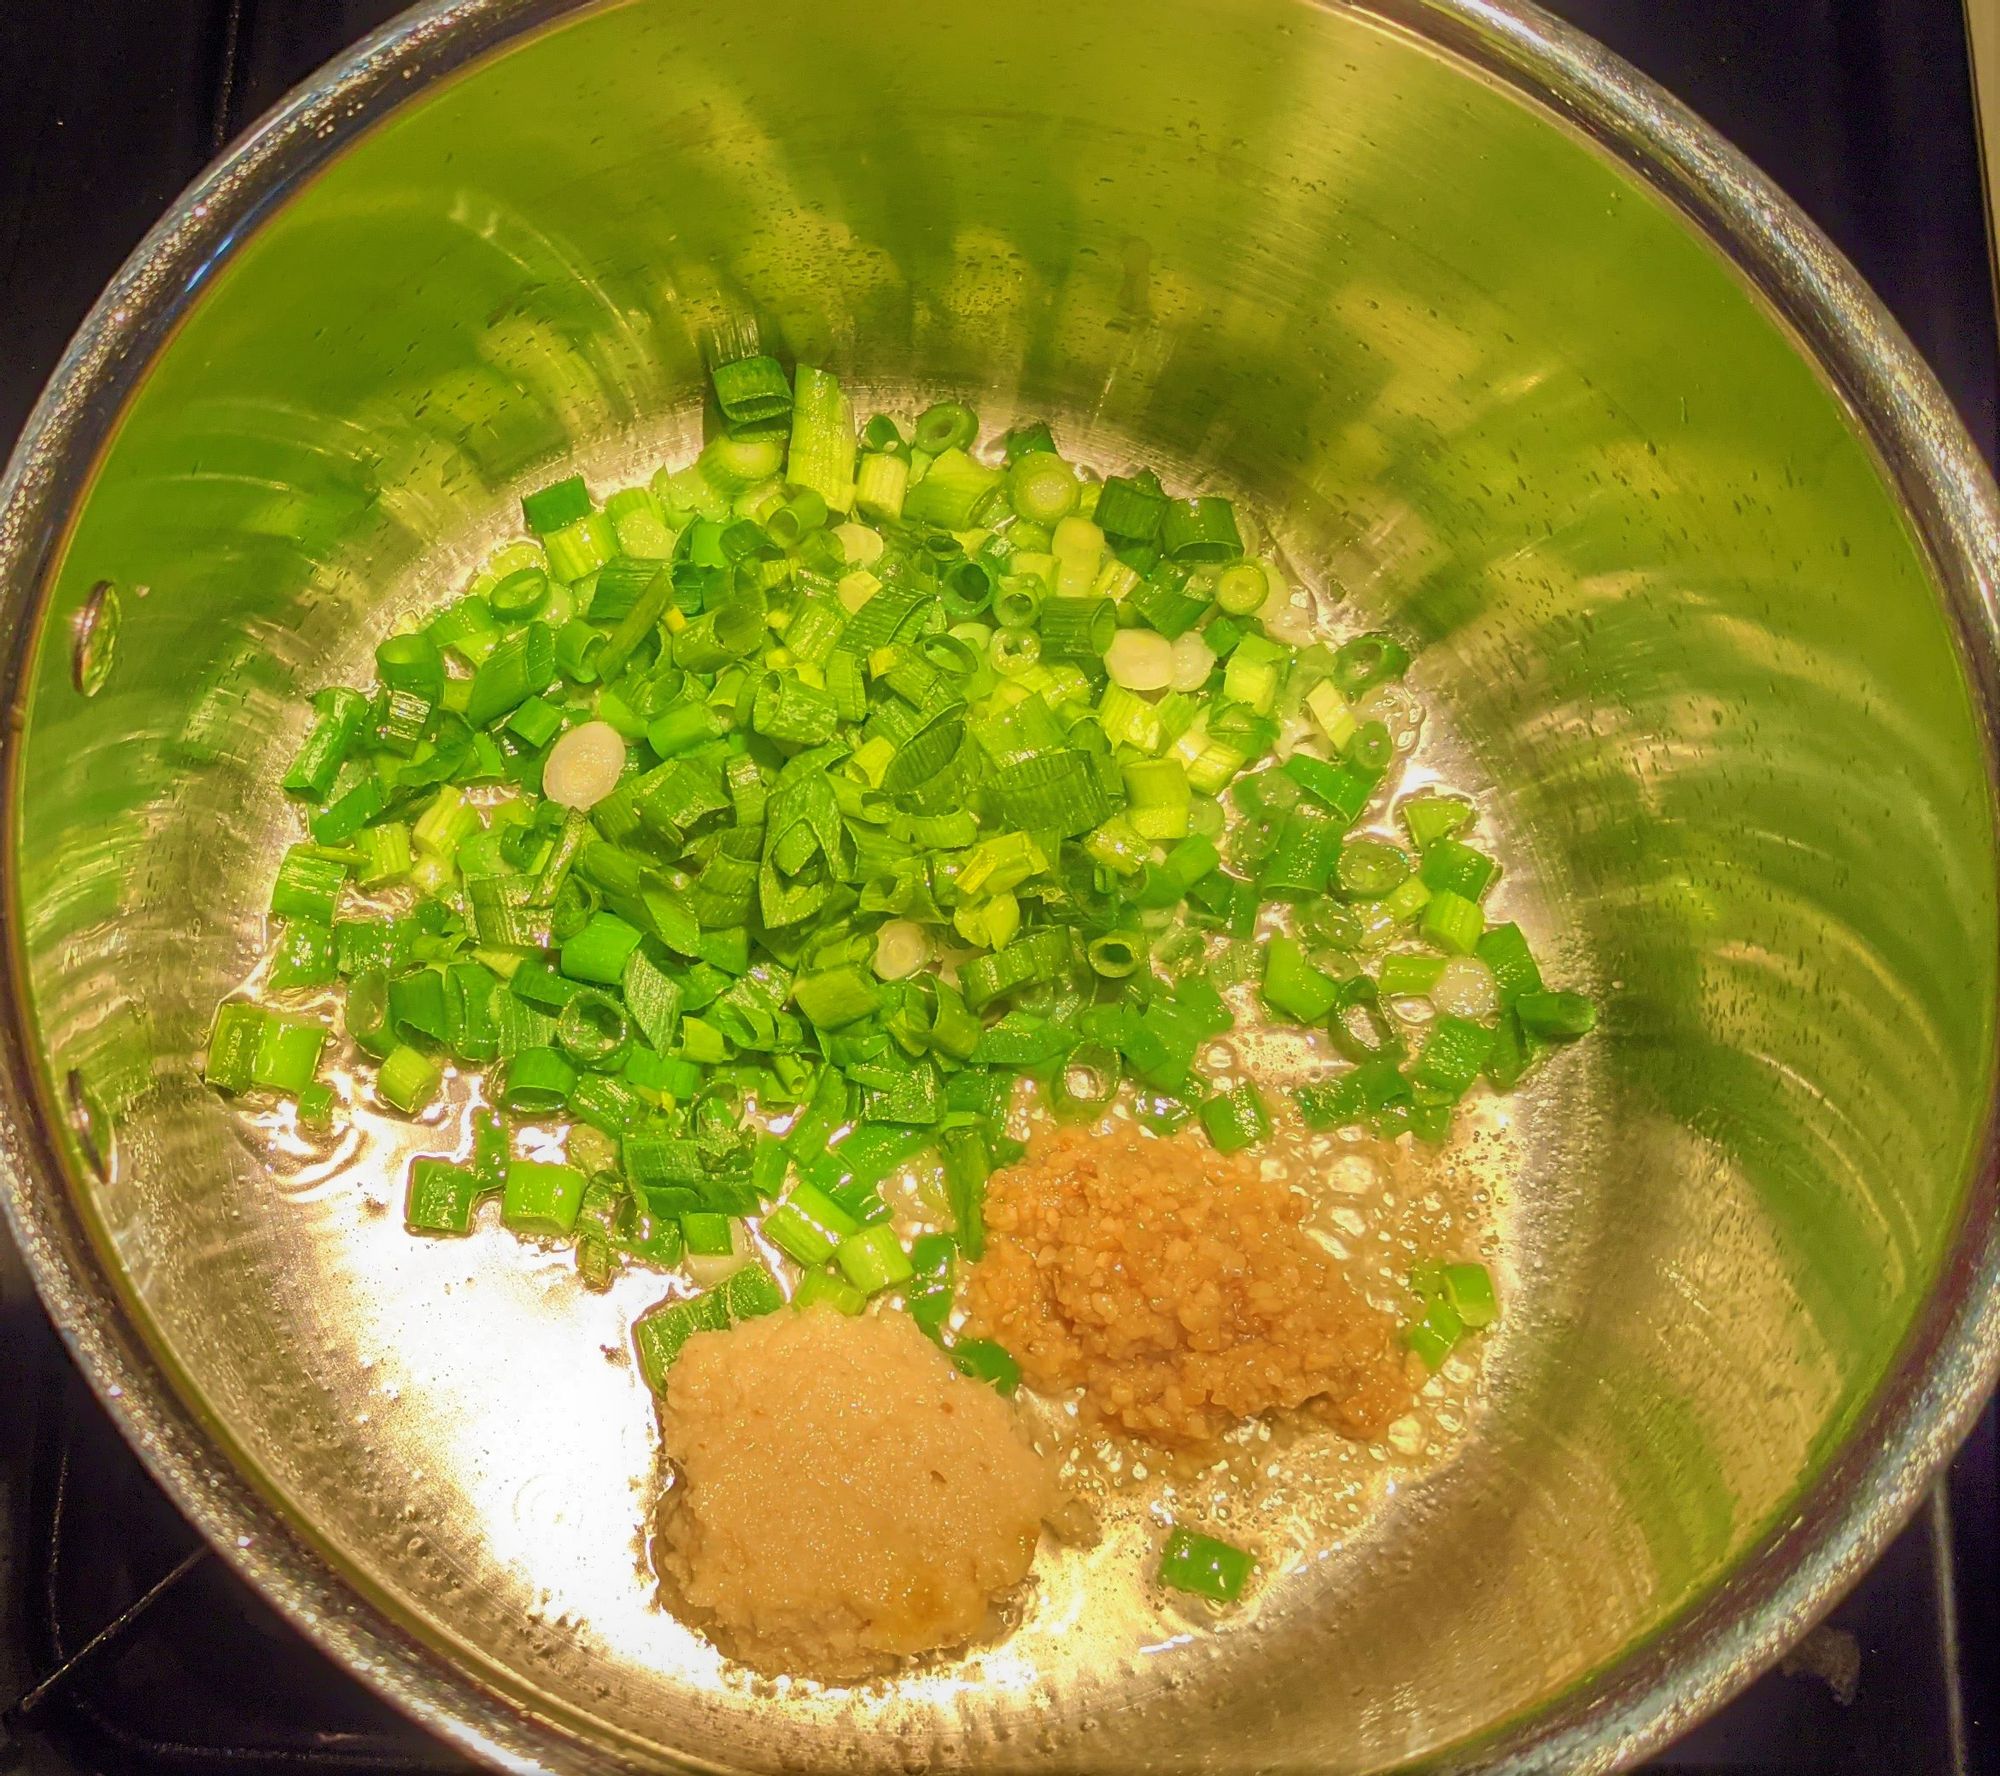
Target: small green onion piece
(578, 649)
(835, 996)
(232, 1045)
(659, 1333)
(1409, 977)
(1236, 1119)
(1504, 949)
(1450, 867)
(751, 1292)
(1201, 529)
(1405, 901)
(1086, 1085)
(1242, 589)
(384, 853)
(735, 465)
(287, 1055)
(600, 951)
(1115, 955)
(1042, 487)
(1077, 629)
(592, 1030)
(823, 1288)
(1307, 852)
(417, 1005)
(541, 1199)
(968, 1163)
(367, 1012)
(578, 550)
(927, 1296)
(336, 727)
(1014, 650)
(1435, 1334)
(1370, 868)
(949, 425)
(304, 956)
(1469, 1289)
(1255, 672)
(821, 457)
(873, 1259)
(407, 1079)
(1453, 1052)
(1203, 1566)
(980, 1359)
(953, 492)
(1025, 440)
(1292, 987)
(538, 1082)
(1560, 1017)
(641, 523)
(308, 886)
(881, 485)
(560, 503)
(1430, 1114)
(808, 1225)
(1428, 818)
(1453, 923)
(440, 1198)
(751, 390)
(520, 596)
(521, 666)
(707, 1234)
(1130, 508)
(1372, 750)
(1368, 660)
(537, 722)
(634, 627)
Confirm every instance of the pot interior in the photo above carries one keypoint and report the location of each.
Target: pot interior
(1485, 387)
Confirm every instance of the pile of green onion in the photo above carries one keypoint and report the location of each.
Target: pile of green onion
(768, 823)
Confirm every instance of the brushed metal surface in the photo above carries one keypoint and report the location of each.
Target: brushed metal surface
(1513, 356)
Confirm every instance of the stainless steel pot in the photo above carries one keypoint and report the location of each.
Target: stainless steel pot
(1516, 357)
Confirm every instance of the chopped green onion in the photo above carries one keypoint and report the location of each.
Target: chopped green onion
(1452, 868)
(822, 449)
(1205, 1567)
(1452, 922)
(600, 951)
(1236, 1119)
(441, 1198)
(1561, 1017)
(336, 726)
(950, 425)
(559, 504)
(698, 799)
(1292, 987)
(408, 1080)
(980, 1359)
(541, 1199)
(308, 886)
(808, 1225)
(1201, 529)
(873, 1259)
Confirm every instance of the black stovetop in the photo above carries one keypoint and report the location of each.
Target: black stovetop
(133, 1650)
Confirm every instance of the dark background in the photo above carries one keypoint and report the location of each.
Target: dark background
(1860, 109)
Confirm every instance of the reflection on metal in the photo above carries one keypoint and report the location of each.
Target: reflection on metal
(1515, 357)
(94, 638)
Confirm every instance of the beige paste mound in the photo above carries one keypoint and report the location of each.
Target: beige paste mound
(1178, 1289)
(846, 1497)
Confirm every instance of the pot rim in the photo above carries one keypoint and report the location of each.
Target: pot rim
(1781, 1585)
